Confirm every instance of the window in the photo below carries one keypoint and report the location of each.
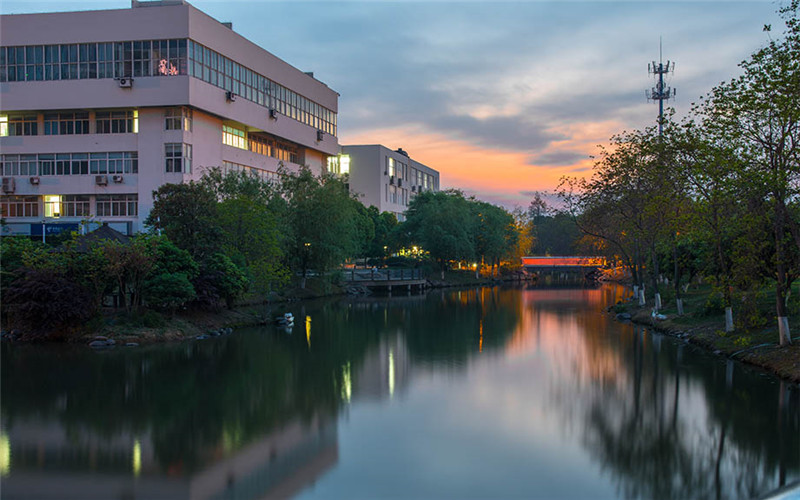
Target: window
(266, 175)
(70, 164)
(117, 122)
(234, 137)
(19, 206)
(390, 166)
(75, 205)
(52, 205)
(93, 60)
(178, 118)
(178, 157)
(339, 165)
(71, 123)
(117, 205)
(18, 125)
(222, 72)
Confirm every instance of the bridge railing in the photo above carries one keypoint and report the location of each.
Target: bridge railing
(382, 274)
(563, 261)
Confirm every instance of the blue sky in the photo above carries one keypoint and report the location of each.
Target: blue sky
(503, 98)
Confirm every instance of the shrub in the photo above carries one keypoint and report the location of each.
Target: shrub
(715, 304)
(45, 304)
(168, 291)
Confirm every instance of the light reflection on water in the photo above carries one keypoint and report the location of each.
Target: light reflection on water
(484, 392)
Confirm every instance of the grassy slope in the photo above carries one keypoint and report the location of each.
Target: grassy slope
(756, 345)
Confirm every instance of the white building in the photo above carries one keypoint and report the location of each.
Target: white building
(384, 178)
(100, 108)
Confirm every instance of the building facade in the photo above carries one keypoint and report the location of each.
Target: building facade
(384, 178)
(100, 108)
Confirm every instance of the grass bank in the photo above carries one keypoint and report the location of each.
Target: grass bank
(754, 341)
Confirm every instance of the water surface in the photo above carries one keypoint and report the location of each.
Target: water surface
(488, 392)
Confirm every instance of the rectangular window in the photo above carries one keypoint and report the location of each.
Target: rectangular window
(70, 164)
(75, 205)
(234, 137)
(117, 122)
(52, 205)
(71, 123)
(178, 119)
(19, 206)
(117, 205)
(21, 125)
(178, 157)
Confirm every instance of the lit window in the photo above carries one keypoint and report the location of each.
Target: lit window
(234, 137)
(339, 165)
(3, 126)
(52, 205)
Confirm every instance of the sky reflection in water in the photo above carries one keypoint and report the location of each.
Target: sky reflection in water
(471, 393)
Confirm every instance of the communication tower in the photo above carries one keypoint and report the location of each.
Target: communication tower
(661, 92)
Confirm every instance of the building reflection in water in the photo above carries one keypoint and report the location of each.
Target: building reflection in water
(256, 415)
(51, 461)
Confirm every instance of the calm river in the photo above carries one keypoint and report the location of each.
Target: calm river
(480, 393)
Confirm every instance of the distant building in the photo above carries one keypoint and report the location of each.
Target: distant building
(100, 108)
(384, 178)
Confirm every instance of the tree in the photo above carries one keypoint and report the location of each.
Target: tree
(186, 214)
(757, 118)
(250, 230)
(443, 225)
(495, 233)
(323, 219)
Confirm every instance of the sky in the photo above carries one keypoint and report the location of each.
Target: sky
(502, 98)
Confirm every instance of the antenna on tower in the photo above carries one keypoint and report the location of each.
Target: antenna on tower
(661, 92)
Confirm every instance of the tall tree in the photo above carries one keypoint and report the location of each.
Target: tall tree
(757, 117)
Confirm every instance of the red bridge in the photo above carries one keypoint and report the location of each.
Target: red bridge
(566, 263)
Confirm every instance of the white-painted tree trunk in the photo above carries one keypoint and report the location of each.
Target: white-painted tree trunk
(679, 303)
(641, 297)
(783, 330)
(686, 288)
(636, 292)
(658, 301)
(728, 319)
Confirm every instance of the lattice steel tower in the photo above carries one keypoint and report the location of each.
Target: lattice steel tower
(661, 92)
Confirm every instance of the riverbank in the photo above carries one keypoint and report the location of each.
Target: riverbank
(756, 346)
(148, 327)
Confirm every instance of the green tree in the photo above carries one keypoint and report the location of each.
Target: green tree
(324, 222)
(442, 224)
(186, 214)
(757, 117)
(495, 233)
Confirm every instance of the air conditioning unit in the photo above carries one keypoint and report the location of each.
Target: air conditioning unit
(101, 180)
(125, 82)
(117, 178)
(230, 96)
(391, 180)
(320, 135)
(273, 114)
(34, 181)
(8, 185)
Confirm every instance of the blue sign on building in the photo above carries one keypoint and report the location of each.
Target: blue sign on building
(53, 229)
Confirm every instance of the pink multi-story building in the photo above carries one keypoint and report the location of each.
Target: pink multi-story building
(100, 108)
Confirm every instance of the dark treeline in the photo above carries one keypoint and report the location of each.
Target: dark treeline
(715, 195)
